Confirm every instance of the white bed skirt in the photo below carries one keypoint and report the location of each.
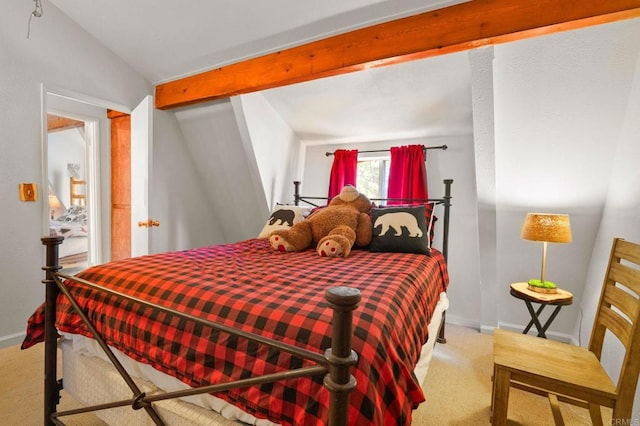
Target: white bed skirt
(72, 246)
(91, 379)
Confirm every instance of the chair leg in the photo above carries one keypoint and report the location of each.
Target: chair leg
(555, 409)
(493, 393)
(500, 403)
(493, 387)
(596, 415)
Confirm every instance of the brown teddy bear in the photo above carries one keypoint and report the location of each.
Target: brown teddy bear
(334, 229)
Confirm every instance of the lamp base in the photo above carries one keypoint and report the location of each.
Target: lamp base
(539, 286)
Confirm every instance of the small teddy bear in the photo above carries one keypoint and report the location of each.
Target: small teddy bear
(334, 229)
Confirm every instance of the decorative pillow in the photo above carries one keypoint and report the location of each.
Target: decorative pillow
(283, 217)
(400, 229)
(77, 214)
(429, 217)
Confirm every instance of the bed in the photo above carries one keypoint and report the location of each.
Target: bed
(73, 226)
(341, 341)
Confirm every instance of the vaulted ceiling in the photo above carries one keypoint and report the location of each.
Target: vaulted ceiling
(165, 41)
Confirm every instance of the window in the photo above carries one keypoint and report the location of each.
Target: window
(373, 176)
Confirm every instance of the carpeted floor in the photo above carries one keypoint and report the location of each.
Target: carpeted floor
(21, 390)
(457, 388)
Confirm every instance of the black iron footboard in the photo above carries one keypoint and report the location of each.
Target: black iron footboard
(335, 364)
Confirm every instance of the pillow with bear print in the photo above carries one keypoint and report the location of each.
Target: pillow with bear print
(283, 217)
(400, 229)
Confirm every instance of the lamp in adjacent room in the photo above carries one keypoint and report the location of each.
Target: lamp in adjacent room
(54, 204)
(547, 228)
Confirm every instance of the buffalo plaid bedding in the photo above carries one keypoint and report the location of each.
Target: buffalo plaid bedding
(280, 296)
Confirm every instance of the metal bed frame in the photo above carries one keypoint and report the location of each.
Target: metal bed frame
(445, 201)
(335, 364)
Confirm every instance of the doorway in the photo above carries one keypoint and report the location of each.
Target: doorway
(73, 153)
(68, 181)
(97, 178)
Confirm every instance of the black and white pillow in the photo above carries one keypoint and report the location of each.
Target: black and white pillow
(400, 229)
(76, 214)
(283, 217)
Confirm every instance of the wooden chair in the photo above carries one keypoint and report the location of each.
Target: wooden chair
(573, 374)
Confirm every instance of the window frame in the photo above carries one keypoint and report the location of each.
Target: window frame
(383, 173)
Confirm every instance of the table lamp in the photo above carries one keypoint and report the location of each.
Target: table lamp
(54, 204)
(547, 228)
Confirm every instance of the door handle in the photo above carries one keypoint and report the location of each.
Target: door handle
(148, 223)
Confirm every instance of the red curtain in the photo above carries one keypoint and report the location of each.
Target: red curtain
(407, 174)
(343, 170)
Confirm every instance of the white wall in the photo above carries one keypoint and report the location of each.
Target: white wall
(62, 57)
(620, 218)
(227, 169)
(560, 103)
(484, 150)
(273, 143)
(57, 54)
(176, 193)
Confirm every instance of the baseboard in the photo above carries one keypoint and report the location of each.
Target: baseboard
(488, 329)
(11, 340)
(463, 322)
(560, 337)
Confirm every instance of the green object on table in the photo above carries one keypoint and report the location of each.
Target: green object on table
(539, 283)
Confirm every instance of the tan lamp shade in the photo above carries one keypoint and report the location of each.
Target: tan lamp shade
(552, 228)
(54, 205)
(54, 202)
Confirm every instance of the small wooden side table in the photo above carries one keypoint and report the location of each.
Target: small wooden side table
(558, 299)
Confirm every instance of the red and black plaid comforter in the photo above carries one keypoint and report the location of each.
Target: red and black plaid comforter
(281, 296)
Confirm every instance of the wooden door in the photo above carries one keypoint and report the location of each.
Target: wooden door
(120, 185)
(130, 170)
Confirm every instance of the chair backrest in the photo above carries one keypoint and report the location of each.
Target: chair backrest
(619, 312)
(78, 197)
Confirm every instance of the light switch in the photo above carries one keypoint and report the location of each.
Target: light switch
(28, 191)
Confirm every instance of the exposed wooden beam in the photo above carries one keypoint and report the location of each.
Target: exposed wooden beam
(56, 123)
(464, 26)
(112, 113)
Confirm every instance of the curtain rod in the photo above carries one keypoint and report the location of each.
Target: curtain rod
(442, 147)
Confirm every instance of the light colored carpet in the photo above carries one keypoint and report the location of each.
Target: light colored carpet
(21, 390)
(457, 388)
